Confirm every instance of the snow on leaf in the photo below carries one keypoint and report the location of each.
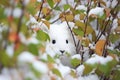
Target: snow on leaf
(99, 59)
(73, 73)
(88, 68)
(75, 62)
(80, 70)
(40, 66)
(106, 68)
(26, 57)
(97, 11)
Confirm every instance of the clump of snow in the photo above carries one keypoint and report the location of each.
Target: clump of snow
(8, 11)
(64, 70)
(26, 57)
(10, 50)
(32, 20)
(92, 45)
(38, 0)
(30, 40)
(89, 77)
(17, 12)
(33, 23)
(79, 70)
(81, 7)
(5, 77)
(99, 59)
(97, 11)
(115, 24)
(40, 66)
(26, 2)
(77, 56)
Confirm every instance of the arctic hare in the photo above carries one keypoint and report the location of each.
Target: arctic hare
(61, 42)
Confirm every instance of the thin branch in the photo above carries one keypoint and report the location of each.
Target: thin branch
(107, 22)
(107, 39)
(99, 3)
(51, 10)
(86, 18)
(71, 32)
(20, 21)
(40, 10)
(56, 20)
(103, 30)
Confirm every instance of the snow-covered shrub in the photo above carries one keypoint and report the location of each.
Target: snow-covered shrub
(37, 39)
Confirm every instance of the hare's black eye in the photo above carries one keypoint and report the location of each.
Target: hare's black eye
(67, 41)
(53, 41)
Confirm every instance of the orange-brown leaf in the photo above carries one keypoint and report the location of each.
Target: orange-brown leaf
(99, 47)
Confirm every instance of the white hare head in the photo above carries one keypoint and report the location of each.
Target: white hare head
(61, 42)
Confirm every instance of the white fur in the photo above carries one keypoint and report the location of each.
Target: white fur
(60, 33)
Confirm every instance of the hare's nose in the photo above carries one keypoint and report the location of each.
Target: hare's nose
(62, 51)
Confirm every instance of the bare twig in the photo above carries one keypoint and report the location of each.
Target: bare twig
(86, 18)
(40, 10)
(71, 32)
(99, 3)
(20, 21)
(108, 32)
(107, 22)
(56, 20)
(51, 10)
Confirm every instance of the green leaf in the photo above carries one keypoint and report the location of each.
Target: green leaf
(107, 68)
(31, 8)
(51, 3)
(116, 75)
(6, 3)
(88, 68)
(81, 25)
(57, 8)
(33, 49)
(50, 59)
(66, 6)
(114, 37)
(79, 11)
(2, 15)
(113, 52)
(73, 73)
(78, 32)
(75, 62)
(56, 71)
(42, 36)
(102, 17)
(5, 60)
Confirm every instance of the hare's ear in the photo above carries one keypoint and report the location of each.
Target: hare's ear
(70, 24)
